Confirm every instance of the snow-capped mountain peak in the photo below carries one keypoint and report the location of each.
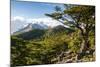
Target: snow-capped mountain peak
(30, 27)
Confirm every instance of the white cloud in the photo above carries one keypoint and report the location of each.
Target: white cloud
(17, 23)
(20, 22)
(46, 21)
(18, 18)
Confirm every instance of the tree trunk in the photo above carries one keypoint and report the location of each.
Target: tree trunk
(85, 43)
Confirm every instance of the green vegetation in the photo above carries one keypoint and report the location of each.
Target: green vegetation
(59, 44)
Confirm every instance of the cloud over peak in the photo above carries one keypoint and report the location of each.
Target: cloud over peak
(19, 22)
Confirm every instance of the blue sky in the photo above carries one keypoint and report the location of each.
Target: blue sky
(23, 13)
(31, 9)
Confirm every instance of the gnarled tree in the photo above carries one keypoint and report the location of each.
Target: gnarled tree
(77, 16)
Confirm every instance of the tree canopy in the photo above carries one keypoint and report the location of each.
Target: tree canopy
(58, 44)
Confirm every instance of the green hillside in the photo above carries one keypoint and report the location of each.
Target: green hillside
(45, 47)
(59, 44)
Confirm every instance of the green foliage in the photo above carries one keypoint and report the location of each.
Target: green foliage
(56, 45)
(75, 41)
(83, 19)
(34, 34)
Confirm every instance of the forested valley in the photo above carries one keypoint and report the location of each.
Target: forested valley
(58, 45)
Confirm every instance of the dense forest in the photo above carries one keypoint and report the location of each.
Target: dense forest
(59, 44)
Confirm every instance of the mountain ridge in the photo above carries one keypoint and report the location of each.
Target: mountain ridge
(32, 32)
(32, 26)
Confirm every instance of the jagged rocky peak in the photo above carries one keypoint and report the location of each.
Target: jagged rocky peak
(29, 25)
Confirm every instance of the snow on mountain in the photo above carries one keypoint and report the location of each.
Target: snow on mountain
(20, 23)
(46, 21)
(30, 27)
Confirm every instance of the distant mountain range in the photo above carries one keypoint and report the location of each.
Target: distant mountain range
(32, 26)
(36, 31)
